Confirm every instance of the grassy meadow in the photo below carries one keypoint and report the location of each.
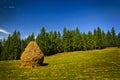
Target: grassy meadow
(79, 65)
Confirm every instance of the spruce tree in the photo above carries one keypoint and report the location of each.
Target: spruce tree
(5, 51)
(104, 37)
(1, 46)
(30, 38)
(99, 38)
(59, 43)
(12, 50)
(90, 42)
(76, 40)
(65, 40)
(15, 46)
(118, 38)
(41, 40)
(113, 35)
(84, 42)
(108, 39)
(47, 45)
(95, 39)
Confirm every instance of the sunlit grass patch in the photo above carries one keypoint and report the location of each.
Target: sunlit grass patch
(94, 65)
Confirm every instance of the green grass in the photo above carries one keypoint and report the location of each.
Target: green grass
(80, 65)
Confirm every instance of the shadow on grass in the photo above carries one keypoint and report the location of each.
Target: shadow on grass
(44, 64)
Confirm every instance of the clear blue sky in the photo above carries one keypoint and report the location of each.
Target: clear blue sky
(29, 16)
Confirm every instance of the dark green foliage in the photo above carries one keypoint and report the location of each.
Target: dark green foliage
(83, 42)
(41, 40)
(30, 38)
(77, 40)
(95, 39)
(11, 49)
(1, 46)
(118, 39)
(5, 49)
(59, 43)
(104, 39)
(53, 42)
(99, 41)
(109, 37)
(113, 39)
(65, 39)
(90, 41)
(68, 40)
(50, 43)
(23, 44)
(46, 42)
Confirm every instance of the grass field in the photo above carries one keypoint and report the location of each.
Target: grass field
(80, 65)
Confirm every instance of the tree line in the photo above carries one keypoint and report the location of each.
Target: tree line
(54, 42)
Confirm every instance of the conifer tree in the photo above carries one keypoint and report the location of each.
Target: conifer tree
(1, 46)
(6, 49)
(47, 45)
(90, 41)
(104, 37)
(109, 39)
(59, 43)
(41, 40)
(118, 40)
(113, 37)
(23, 45)
(99, 38)
(95, 39)
(30, 38)
(12, 50)
(84, 41)
(52, 43)
(65, 40)
(76, 40)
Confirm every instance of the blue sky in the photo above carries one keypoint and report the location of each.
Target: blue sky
(29, 16)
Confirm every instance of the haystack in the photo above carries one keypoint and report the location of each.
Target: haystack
(32, 56)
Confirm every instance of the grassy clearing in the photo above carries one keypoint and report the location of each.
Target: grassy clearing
(95, 64)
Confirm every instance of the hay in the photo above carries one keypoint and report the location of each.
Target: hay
(32, 56)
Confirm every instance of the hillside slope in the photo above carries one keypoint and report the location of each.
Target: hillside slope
(94, 64)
